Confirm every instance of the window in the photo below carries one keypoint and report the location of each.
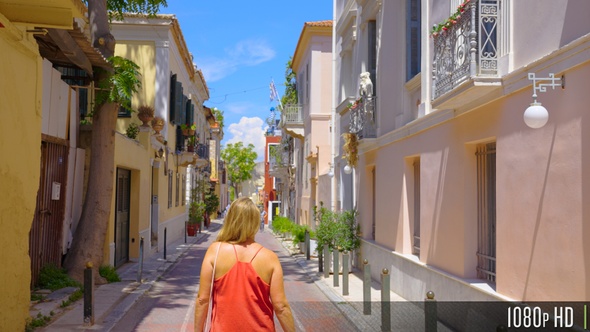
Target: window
(486, 211)
(169, 188)
(373, 204)
(413, 42)
(123, 112)
(416, 221)
(177, 200)
(372, 53)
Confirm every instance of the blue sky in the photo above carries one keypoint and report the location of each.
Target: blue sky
(240, 46)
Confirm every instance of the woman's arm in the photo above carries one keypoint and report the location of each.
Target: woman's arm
(202, 301)
(279, 299)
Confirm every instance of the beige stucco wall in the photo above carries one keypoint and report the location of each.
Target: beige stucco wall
(20, 92)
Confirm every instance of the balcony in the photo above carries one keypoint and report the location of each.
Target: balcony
(362, 118)
(292, 119)
(467, 50)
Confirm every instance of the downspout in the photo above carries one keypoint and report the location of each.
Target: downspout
(333, 115)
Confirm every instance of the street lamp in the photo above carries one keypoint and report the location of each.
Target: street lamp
(331, 172)
(347, 169)
(536, 115)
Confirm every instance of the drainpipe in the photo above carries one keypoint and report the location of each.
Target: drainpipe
(333, 115)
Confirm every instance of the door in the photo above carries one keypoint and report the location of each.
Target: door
(45, 236)
(122, 217)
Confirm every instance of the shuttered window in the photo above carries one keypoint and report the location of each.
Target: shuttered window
(413, 33)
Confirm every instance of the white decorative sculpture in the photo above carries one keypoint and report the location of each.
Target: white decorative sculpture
(365, 86)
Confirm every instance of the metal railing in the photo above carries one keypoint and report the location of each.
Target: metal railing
(362, 118)
(467, 48)
(202, 151)
(292, 115)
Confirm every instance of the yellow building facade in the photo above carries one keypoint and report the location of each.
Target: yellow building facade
(21, 93)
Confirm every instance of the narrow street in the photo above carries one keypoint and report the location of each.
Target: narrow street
(169, 305)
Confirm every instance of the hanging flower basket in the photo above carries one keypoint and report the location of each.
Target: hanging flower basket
(350, 148)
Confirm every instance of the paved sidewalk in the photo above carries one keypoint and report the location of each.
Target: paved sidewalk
(111, 301)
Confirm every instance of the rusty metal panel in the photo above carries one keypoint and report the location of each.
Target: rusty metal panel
(45, 237)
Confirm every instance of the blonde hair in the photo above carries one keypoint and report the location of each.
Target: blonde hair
(241, 223)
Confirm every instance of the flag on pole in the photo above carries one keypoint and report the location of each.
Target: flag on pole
(274, 95)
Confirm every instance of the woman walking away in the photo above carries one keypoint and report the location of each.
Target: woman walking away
(248, 284)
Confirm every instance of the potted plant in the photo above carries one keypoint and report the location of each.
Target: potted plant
(145, 113)
(188, 129)
(132, 130)
(211, 203)
(196, 211)
(192, 142)
(158, 124)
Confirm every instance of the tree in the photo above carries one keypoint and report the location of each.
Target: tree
(88, 242)
(240, 162)
(218, 116)
(290, 96)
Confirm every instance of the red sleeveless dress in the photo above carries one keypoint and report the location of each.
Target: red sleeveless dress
(241, 300)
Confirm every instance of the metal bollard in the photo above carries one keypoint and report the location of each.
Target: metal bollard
(88, 295)
(385, 301)
(140, 269)
(336, 267)
(320, 261)
(430, 314)
(164, 243)
(326, 261)
(345, 255)
(366, 287)
(307, 245)
(185, 226)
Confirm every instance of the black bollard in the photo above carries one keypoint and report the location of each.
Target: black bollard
(140, 270)
(164, 243)
(88, 295)
(185, 225)
(366, 287)
(385, 301)
(430, 314)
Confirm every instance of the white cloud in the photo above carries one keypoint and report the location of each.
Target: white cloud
(248, 130)
(249, 52)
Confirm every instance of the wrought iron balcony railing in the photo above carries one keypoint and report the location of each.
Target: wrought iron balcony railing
(292, 115)
(202, 151)
(362, 118)
(467, 47)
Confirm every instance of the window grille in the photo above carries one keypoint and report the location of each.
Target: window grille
(486, 211)
(416, 231)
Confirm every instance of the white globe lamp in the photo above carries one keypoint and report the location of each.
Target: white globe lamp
(536, 116)
(347, 169)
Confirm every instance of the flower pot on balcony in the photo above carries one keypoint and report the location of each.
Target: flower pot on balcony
(188, 132)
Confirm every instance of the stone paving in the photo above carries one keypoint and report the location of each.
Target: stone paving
(316, 303)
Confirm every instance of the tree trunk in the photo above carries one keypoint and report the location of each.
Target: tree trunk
(89, 239)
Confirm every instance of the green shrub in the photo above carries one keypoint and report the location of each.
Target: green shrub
(282, 224)
(339, 230)
(53, 278)
(299, 233)
(109, 273)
